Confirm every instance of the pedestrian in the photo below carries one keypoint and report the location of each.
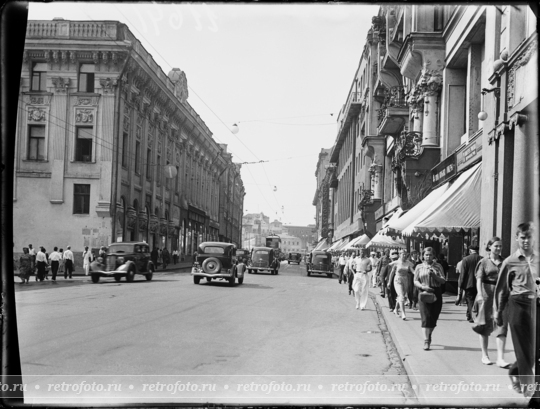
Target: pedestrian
(61, 262)
(428, 277)
(361, 279)
(87, 259)
(468, 280)
(400, 277)
(165, 257)
(55, 258)
(160, 256)
(487, 272)
(351, 270)
(517, 291)
(372, 274)
(175, 256)
(444, 264)
(69, 260)
(32, 252)
(154, 257)
(26, 266)
(459, 297)
(390, 287)
(102, 252)
(47, 264)
(413, 290)
(41, 261)
(341, 262)
(381, 266)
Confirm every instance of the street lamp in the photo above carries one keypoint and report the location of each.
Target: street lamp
(235, 129)
(482, 115)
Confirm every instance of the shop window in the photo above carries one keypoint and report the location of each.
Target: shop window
(39, 77)
(36, 142)
(86, 78)
(83, 143)
(81, 199)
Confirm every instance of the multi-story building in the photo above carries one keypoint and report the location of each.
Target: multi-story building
(305, 235)
(108, 148)
(441, 122)
(323, 198)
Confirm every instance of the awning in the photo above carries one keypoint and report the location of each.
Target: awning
(322, 245)
(336, 244)
(344, 242)
(401, 223)
(358, 242)
(394, 217)
(458, 208)
(380, 240)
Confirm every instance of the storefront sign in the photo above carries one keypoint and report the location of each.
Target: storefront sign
(469, 154)
(444, 170)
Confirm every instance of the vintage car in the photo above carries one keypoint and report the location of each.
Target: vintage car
(294, 258)
(263, 259)
(123, 260)
(216, 260)
(320, 262)
(242, 254)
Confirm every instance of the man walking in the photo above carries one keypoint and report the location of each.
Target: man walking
(55, 258)
(372, 276)
(517, 291)
(32, 254)
(350, 270)
(68, 258)
(342, 263)
(41, 261)
(361, 280)
(413, 290)
(468, 279)
(381, 268)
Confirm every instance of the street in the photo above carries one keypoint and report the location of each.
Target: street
(289, 329)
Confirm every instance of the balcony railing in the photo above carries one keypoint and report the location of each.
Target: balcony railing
(72, 29)
(394, 97)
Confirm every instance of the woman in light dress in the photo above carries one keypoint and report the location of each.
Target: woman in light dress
(87, 258)
(400, 277)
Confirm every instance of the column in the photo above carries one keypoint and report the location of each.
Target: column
(59, 134)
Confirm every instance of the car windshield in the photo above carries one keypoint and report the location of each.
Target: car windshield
(260, 255)
(241, 252)
(320, 259)
(214, 250)
(121, 248)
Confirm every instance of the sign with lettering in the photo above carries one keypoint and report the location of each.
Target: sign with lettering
(444, 170)
(469, 154)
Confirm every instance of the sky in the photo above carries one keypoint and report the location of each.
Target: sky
(281, 72)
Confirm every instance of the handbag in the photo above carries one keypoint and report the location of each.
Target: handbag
(479, 316)
(427, 297)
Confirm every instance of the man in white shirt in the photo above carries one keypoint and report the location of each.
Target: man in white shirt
(41, 261)
(351, 267)
(55, 258)
(68, 257)
(373, 277)
(342, 263)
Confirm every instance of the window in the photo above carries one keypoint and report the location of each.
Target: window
(159, 170)
(125, 149)
(36, 142)
(81, 199)
(148, 165)
(83, 144)
(167, 181)
(137, 158)
(86, 78)
(39, 76)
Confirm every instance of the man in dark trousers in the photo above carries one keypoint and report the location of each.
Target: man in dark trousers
(468, 279)
(381, 268)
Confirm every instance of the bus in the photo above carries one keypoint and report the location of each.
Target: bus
(274, 241)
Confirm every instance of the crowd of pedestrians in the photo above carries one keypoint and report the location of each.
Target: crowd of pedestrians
(40, 263)
(499, 293)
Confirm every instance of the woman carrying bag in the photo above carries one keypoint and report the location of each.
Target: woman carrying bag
(487, 272)
(428, 278)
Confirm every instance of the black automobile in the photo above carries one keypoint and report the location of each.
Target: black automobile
(123, 260)
(242, 254)
(294, 258)
(320, 262)
(216, 260)
(263, 259)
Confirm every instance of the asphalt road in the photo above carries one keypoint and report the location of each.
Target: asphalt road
(284, 338)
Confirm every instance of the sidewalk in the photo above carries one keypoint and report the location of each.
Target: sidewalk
(450, 373)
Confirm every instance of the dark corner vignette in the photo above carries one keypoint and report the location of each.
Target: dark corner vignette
(14, 16)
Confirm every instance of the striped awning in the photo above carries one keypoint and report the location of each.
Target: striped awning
(380, 240)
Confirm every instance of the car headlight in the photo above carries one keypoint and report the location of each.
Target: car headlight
(120, 260)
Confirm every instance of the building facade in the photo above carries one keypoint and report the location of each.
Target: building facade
(108, 149)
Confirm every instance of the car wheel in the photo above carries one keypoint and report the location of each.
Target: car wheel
(196, 279)
(150, 274)
(308, 273)
(95, 278)
(209, 279)
(211, 265)
(240, 280)
(277, 271)
(288, 262)
(130, 275)
(117, 278)
(231, 281)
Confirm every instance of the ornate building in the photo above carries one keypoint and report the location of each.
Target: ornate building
(324, 219)
(108, 149)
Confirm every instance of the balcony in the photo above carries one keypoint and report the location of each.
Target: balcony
(350, 111)
(394, 111)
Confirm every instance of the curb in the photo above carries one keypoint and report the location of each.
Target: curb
(403, 349)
